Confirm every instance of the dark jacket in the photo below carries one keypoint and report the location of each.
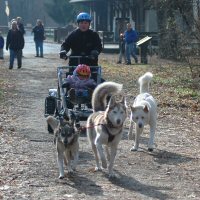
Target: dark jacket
(38, 33)
(21, 28)
(122, 45)
(130, 36)
(1, 42)
(15, 40)
(82, 43)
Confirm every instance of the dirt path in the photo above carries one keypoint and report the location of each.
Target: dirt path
(28, 168)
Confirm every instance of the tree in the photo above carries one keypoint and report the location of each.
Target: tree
(179, 30)
(61, 11)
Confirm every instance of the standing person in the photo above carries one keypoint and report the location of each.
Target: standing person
(15, 43)
(82, 41)
(131, 37)
(20, 26)
(1, 46)
(38, 32)
(121, 48)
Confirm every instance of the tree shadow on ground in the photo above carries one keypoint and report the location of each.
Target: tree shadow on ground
(149, 191)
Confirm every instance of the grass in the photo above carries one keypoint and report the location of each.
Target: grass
(172, 82)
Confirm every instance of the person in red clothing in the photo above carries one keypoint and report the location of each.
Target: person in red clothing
(80, 84)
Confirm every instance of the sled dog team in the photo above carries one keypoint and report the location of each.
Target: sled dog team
(105, 126)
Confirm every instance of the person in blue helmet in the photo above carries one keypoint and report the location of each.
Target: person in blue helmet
(82, 42)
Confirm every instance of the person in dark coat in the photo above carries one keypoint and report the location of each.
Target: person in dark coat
(15, 43)
(20, 25)
(121, 49)
(39, 37)
(1, 46)
(82, 42)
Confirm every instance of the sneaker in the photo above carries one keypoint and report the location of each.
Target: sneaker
(19, 67)
(10, 67)
(128, 63)
(41, 56)
(119, 62)
(36, 56)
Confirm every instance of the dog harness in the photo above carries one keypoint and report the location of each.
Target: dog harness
(110, 125)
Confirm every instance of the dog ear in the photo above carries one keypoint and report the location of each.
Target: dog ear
(123, 101)
(53, 122)
(146, 109)
(133, 109)
(62, 122)
(111, 102)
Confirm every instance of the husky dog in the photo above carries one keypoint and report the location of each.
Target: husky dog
(143, 111)
(66, 139)
(105, 125)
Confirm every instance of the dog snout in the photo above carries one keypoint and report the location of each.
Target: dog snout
(65, 141)
(118, 121)
(140, 125)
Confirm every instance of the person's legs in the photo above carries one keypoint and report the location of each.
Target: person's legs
(37, 48)
(120, 57)
(128, 56)
(19, 58)
(133, 52)
(1, 53)
(41, 48)
(12, 57)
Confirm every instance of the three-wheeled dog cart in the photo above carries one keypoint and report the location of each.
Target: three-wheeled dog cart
(58, 102)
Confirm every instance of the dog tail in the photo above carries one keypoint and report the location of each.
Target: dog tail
(144, 82)
(52, 121)
(101, 94)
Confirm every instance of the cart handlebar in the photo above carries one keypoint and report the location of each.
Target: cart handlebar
(63, 55)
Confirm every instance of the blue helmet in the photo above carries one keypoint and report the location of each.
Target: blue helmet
(83, 16)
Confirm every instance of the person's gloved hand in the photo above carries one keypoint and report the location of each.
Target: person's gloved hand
(63, 54)
(94, 54)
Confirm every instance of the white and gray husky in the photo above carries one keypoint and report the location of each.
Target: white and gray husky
(143, 111)
(105, 125)
(67, 144)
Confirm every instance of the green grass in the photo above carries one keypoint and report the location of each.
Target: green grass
(187, 92)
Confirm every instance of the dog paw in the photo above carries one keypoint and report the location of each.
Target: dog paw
(104, 164)
(133, 149)
(61, 177)
(150, 149)
(112, 175)
(96, 169)
(70, 171)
